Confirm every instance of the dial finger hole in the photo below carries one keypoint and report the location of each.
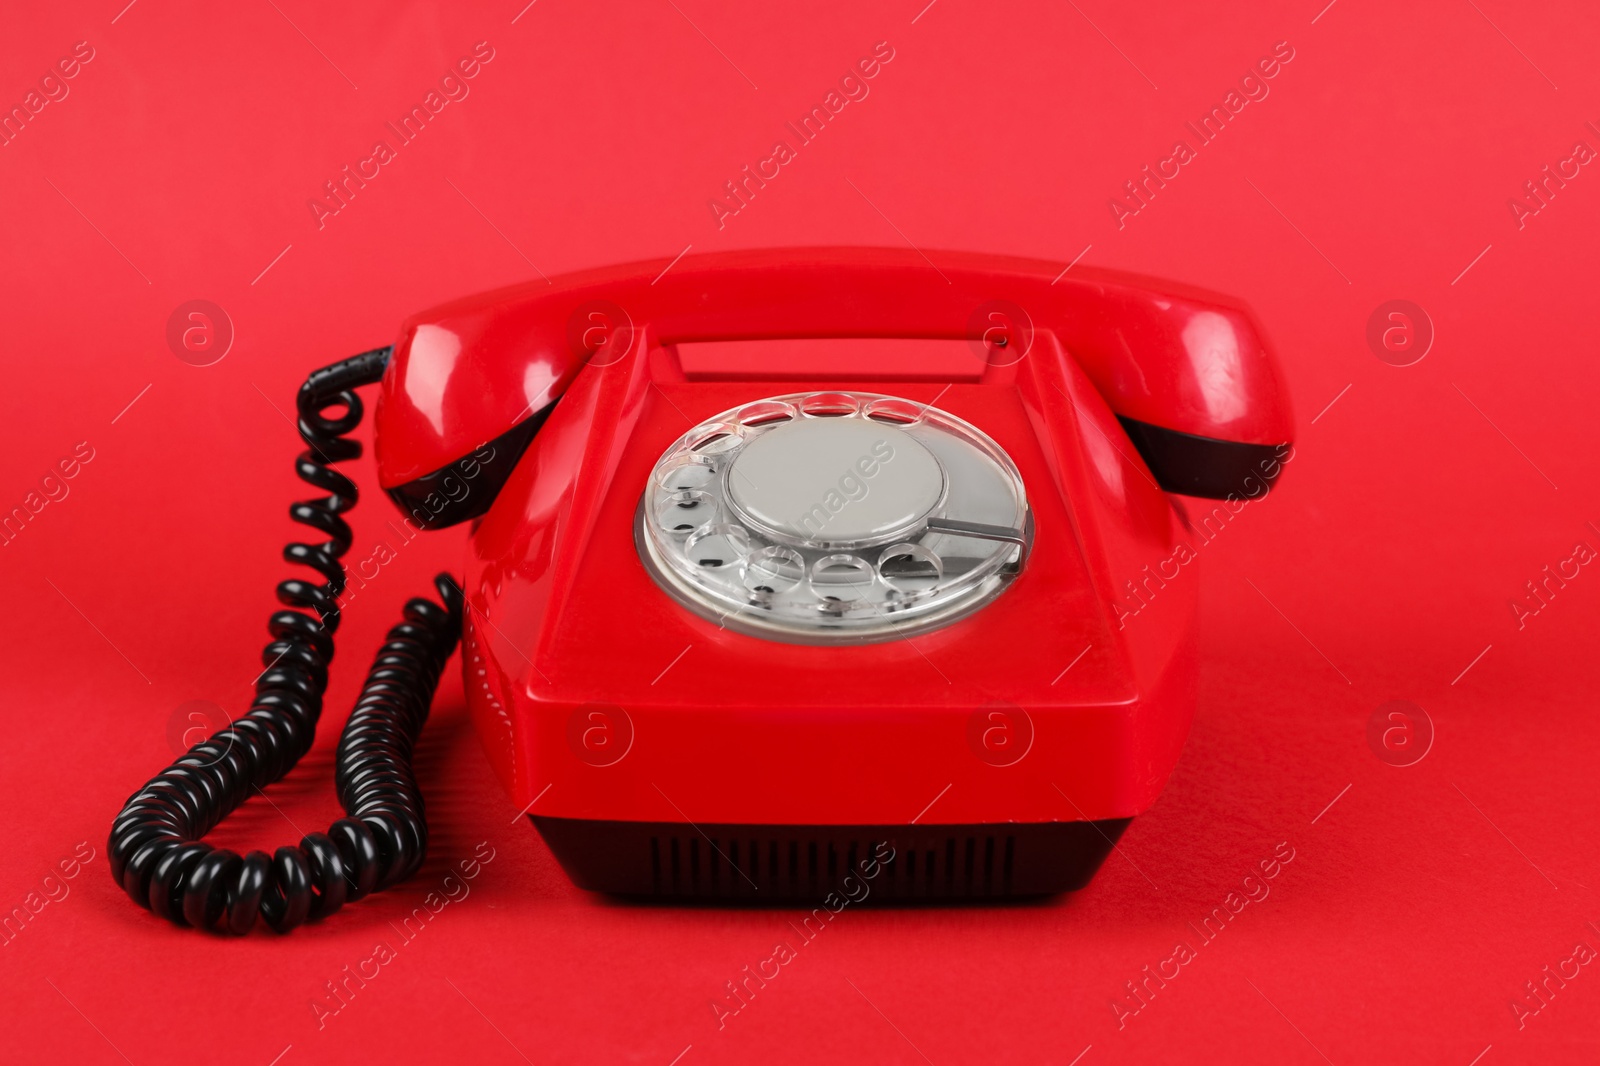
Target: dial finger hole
(829, 405)
(841, 578)
(686, 511)
(717, 439)
(766, 413)
(910, 569)
(774, 569)
(894, 411)
(694, 472)
(720, 547)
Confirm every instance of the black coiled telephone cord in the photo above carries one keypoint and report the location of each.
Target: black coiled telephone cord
(156, 851)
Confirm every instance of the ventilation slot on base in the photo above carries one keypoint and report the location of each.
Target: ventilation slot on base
(772, 864)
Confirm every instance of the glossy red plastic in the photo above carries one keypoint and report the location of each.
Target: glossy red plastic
(598, 696)
(1161, 353)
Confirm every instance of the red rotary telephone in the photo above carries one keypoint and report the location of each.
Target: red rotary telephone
(731, 624)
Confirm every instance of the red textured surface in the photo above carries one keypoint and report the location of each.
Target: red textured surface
(1379, 167)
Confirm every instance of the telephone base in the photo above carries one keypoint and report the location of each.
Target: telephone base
(757, 864)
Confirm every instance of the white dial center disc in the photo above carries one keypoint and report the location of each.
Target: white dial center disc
(835, 481)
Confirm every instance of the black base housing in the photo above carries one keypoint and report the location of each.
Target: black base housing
(787, 863)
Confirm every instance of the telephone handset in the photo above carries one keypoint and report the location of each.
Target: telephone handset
(1186, 373)
(881, 576)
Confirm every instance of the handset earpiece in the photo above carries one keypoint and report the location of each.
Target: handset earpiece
(1212, 469)
(465, 488)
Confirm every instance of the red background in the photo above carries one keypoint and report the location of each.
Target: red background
(1418, 505)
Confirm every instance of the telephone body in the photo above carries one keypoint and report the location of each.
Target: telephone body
(749, 629)
(695, 690)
